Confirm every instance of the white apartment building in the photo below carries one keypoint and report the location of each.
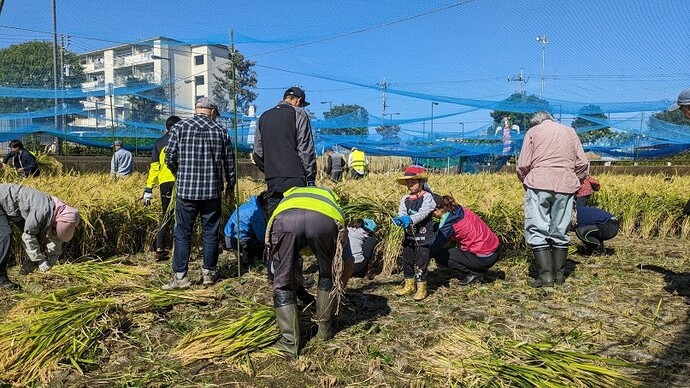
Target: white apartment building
(158, 60)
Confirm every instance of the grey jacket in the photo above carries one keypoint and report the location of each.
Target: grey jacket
(37, 209)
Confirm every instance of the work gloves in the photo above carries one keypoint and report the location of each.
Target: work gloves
(403, 221)
(147, 197)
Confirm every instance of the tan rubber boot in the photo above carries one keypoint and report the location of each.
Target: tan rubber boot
(421, 293)
(408, 289)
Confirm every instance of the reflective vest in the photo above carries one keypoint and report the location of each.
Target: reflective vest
(358, 161)
(159, 171)
(317, 199)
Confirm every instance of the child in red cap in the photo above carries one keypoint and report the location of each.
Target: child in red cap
(414, 215)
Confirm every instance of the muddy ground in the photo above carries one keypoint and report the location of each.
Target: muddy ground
(632, 304)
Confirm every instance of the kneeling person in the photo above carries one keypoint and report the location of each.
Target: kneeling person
(307, 216)
(477, 249)
(252, 228)
(594, 226)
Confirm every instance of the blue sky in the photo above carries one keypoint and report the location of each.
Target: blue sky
(598, 51)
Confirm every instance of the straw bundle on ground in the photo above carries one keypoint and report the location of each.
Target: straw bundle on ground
(230, 340)
(70, 325)
(468, 359)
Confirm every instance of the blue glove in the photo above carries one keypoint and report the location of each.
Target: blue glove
(403, 221)
(311, 183)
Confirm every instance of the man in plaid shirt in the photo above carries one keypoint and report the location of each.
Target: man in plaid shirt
(201, 156)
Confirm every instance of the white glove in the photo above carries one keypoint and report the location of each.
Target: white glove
(147, 197)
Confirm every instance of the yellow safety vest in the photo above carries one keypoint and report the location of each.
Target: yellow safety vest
(358, 161)
(159, 172)
(318, 199)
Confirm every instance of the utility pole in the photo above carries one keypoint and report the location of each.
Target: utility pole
(544, 40)
(521, 81)
(383, 87)
(56, 122)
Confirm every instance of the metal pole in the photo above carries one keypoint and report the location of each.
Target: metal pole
(172, 84)
(55, 64)
(234, 125)
(543, 56)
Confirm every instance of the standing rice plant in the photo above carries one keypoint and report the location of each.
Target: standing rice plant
(468, 359)
(231, 341)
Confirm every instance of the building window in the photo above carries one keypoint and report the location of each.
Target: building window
(199, 80)
(198, 60)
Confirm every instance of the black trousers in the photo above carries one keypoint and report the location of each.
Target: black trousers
(336, 176)
(360, 269)
(163, 235)
(294, 230)
(463, 261)
(275, 187)
(594, 235)
(5, 243)
(415, 261)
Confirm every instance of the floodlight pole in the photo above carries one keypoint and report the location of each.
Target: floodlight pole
(431, 131)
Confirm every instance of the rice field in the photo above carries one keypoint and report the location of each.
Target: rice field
(98, 317)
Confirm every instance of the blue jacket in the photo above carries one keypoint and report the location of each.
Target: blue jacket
(589, 215)
(24, 160)
(252, 222)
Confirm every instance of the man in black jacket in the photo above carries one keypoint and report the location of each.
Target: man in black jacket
(284, 147)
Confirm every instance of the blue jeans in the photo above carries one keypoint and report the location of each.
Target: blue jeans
(186, 212)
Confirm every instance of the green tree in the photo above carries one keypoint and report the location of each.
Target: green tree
(142, 109)
(30, 65)
(353, 118)
(593, 111)
(522, 101)
(245, 78)
(675, 117)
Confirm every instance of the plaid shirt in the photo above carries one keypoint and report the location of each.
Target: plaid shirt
(200, 153)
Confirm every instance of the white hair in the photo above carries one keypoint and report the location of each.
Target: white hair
(540, 117)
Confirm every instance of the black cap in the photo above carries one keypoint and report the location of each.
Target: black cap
(297, 92)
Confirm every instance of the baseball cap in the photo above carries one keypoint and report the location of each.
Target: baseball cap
(683, 99)
(117, 142)
(369, 224)
(297, 92)
(207, 103)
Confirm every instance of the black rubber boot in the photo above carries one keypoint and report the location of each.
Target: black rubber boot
(325, 308)
(287, 318)
(559, 253)
(5, 282)
(544, 261)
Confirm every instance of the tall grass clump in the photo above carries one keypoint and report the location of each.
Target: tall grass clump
(470, 360)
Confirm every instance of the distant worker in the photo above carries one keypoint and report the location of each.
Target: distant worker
(284, 147)
(682, 103)
(594, 226)
(160, 174)
(51, 148)
(358, 162)
(45, 221)
(335, 165)
(23, 161)
(550, 166)
(121, 163)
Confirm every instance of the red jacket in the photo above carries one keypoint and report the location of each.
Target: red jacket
(588, 186)
(467, 230)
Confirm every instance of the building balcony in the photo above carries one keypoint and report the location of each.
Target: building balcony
(131, 60)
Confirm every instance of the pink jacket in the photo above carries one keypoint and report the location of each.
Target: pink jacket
(552, 159)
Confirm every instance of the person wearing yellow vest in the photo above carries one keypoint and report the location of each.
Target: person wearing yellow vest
(307, 216)
(358, 163)
(161, 174)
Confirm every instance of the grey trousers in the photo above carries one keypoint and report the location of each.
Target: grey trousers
(547, 217)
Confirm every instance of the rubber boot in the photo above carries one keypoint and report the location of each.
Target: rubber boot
(408, 289)
(421, 293)
(325, 308)
(5, 282)
(287, 318)
(559, 253)
(544, 261)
